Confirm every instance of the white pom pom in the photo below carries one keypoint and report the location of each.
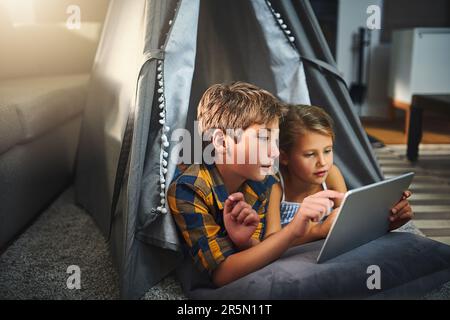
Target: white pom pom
(159, 69)
(162, 121)
(164, 137)
(160, 90)
(280, 21)
(162, 180)
(277, 15)
(161, 83)
(162, 114)
(163, 201)
(160, 62)
(162, 105)
(170, 22)
(161, 99)
(159, 76)
(159, 209)
(291, 39)
(164, 170)
(284, 26)
(163, 186)
(165, 154)
(165, 144)
(288, 31)
(164, 163)
(163, 210)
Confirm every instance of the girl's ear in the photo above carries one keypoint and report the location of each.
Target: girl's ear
(284, 159)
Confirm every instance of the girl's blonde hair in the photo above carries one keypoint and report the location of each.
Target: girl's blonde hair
(300, 119)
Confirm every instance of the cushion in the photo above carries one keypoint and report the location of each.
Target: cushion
(410, 266)
(31, 106)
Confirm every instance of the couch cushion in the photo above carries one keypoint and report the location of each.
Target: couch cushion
(31, 106)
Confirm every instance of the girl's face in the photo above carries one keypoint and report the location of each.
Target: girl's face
(311, 157)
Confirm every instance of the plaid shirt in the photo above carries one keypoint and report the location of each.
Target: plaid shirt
(196, 199)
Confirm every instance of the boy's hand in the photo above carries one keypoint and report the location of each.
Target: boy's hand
(401, 213)
(240, 220)
(313, 208)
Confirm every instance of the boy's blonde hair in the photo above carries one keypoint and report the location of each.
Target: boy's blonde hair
(300, 119)
(237, 106)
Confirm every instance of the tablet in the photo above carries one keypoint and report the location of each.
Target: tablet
(363, 216)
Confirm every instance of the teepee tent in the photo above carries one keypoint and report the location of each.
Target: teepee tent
(154, 61)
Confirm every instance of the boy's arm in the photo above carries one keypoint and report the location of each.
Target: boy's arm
(200, 231)
(254, 258)
(244, 262)
(273, 223)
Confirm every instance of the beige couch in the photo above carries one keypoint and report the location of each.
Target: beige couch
(44, 74)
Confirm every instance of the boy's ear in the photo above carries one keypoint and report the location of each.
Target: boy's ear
(219, 141)
(284, 160)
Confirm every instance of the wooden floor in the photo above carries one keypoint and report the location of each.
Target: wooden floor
(430, 187)
(436, 129)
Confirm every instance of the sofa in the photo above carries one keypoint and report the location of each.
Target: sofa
(44, 75)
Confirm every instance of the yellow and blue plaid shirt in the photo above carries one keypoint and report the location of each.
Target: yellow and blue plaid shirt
(196, 199)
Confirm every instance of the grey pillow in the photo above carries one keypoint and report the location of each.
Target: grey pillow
(410, 266)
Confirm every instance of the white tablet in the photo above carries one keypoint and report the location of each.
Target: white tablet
(363, 215)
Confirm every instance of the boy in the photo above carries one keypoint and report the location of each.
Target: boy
(220, 208)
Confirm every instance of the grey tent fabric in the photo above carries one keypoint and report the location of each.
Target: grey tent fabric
(352, 147)
(198, 43)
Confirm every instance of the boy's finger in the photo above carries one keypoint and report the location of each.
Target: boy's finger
(243, 214)
(237, 196)
(251, 218)
(238, 208)
(228, 206)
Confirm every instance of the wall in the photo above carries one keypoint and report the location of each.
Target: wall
(352, 15)
(420, 63)
(35, 40)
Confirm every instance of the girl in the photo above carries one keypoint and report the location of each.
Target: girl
(306, 168)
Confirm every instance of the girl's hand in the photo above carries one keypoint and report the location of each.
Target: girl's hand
(323, 228)
(401, 213)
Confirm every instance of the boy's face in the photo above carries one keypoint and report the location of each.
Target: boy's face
(311, 157)
(253, 155)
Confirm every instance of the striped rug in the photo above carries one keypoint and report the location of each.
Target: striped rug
(431, 185)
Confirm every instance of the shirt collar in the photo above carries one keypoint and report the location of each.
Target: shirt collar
(221, 193)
